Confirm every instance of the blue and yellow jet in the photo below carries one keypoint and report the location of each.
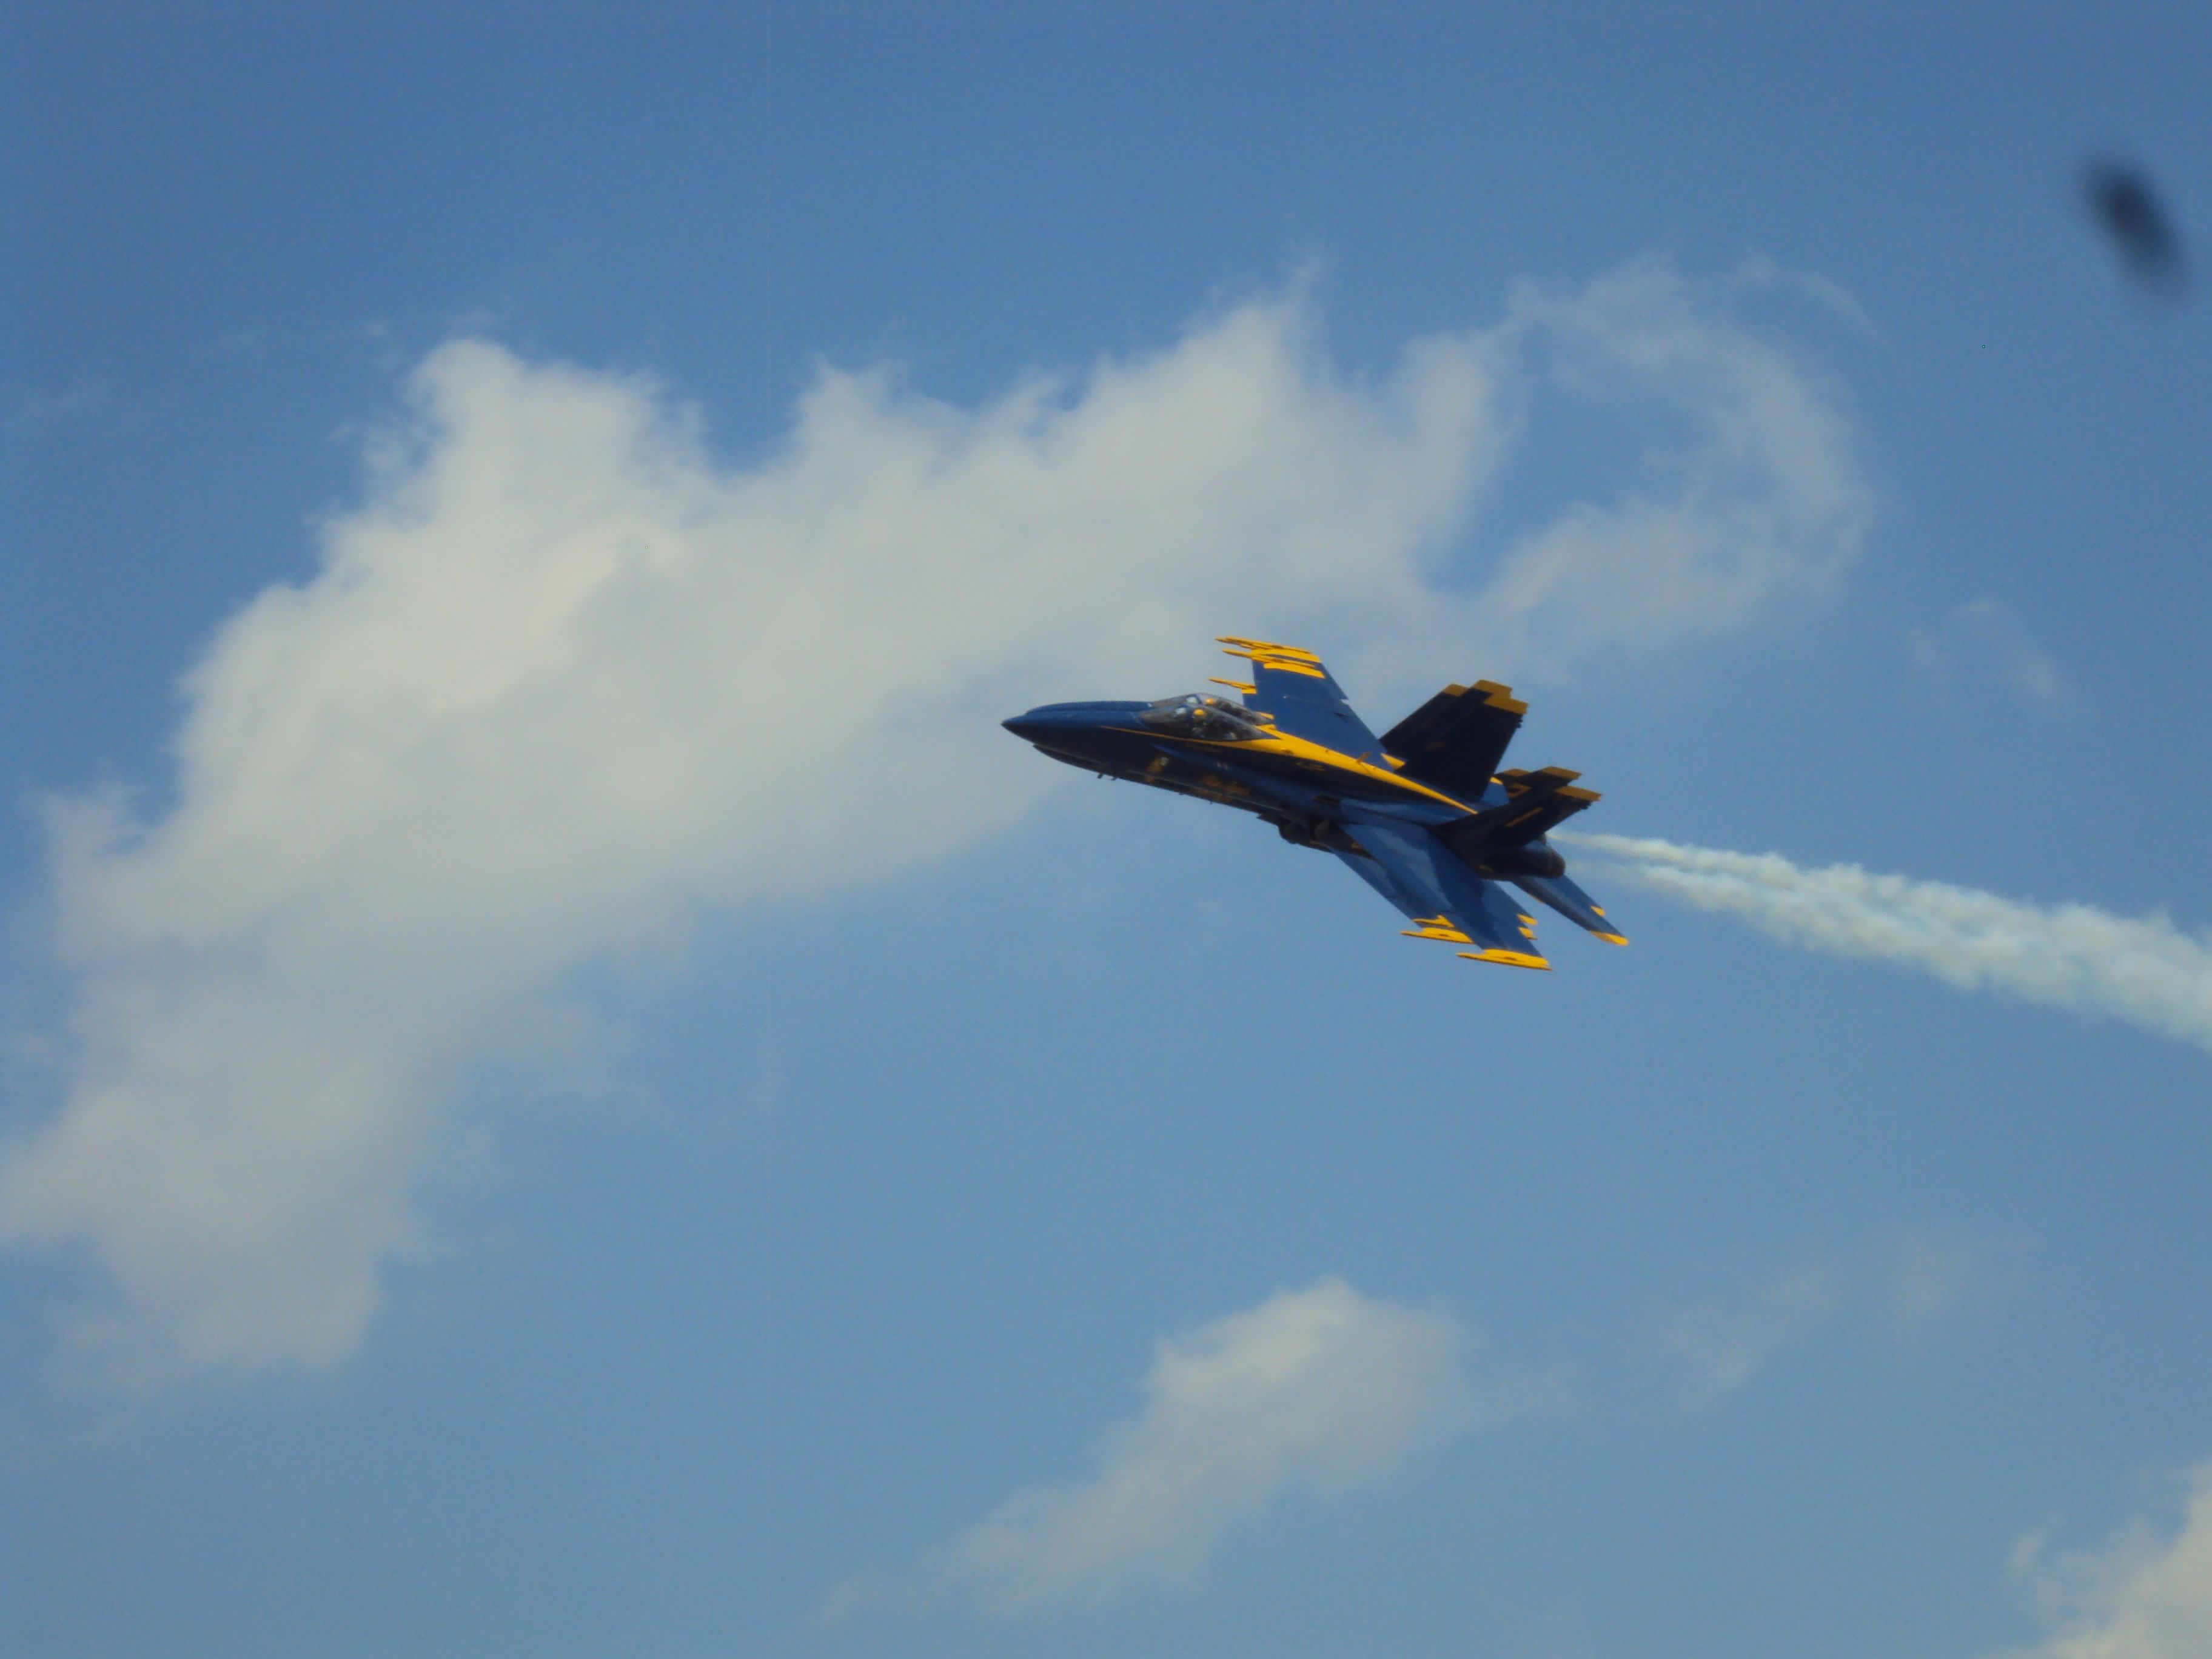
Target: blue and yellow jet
(1422, 813)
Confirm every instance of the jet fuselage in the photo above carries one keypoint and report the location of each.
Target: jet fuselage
(1423, 814)
(1214, 749)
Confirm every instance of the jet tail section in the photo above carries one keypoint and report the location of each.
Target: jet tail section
(1535, 803)
(1454, 741)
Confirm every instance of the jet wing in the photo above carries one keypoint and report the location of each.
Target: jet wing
(1570, 901)
(1303, 699)
(1444, 899)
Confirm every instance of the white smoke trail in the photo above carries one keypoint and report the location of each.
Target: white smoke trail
(2139, 968)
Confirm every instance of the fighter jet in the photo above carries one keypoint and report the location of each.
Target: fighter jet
(1422, 814)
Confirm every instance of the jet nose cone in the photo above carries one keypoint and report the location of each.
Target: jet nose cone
(1059, 725)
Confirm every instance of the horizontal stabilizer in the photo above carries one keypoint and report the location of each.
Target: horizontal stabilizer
(1570, 901)
(1536, 801)
(1454, 741)
(1545, 799)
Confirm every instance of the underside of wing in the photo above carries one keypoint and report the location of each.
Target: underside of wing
(1291, 686)
(1570, 901)
(1444, 899)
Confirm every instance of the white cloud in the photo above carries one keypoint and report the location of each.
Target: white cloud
(2143, 1597)
(1768, 506)
(1719, 1343)
(28, 413)
(1718, 1340)
(2139, 968)
(1925, 1275)
(565, 681)
(1982, 643)
(1321, 1388)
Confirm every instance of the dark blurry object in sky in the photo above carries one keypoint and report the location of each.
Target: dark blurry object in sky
(2120, 196)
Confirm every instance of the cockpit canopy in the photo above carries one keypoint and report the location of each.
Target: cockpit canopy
(1198, 715)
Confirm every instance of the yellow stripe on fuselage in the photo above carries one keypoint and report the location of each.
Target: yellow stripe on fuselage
(1304, 749)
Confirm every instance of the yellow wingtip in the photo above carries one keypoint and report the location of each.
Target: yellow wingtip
(1272, 648)
(1271, 656)
(1509, 958)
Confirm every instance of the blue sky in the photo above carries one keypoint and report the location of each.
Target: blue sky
(569, 1091)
